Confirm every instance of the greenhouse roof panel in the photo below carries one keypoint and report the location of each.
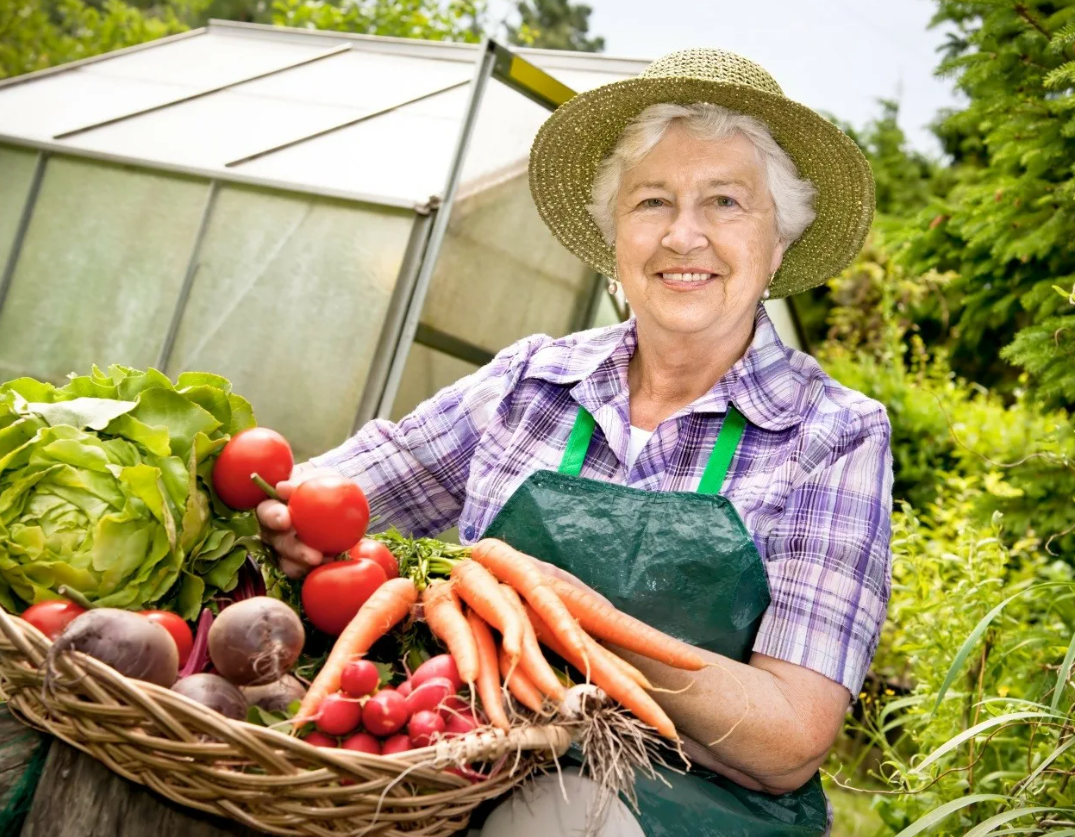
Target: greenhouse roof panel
(363, 116)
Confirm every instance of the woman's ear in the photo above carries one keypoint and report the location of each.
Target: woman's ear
(778, 257)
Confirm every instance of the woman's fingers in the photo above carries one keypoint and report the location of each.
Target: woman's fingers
(274, 515)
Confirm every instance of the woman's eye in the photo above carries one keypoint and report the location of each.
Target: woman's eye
(724, 200)
(652, 203)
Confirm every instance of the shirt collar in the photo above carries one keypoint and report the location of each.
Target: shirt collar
(762, 384)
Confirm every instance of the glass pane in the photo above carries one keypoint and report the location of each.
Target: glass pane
(426, 372)
(405, 153)
(580, 80)
(100, 269)
(214, 129)
(367, 81)
(43, 108)
(207, 60)
(506, 126)
(288, 303)
(501, 275)
(16, 172)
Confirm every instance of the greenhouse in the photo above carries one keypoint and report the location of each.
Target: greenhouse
(341, 221)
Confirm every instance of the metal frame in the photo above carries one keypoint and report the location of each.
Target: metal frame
(483, 71)
(24, 224)
(448, 344)
(193, 264)
(206, 92)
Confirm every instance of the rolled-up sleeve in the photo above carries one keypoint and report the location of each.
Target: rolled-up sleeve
(828, 557)
(414, 472)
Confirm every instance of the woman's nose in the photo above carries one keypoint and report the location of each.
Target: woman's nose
(684, 234)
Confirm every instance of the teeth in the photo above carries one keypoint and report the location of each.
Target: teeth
(686, 277)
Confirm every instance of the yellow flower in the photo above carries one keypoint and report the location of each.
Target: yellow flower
(1002, 691)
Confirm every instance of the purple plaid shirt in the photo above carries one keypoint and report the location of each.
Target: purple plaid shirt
(812, 478)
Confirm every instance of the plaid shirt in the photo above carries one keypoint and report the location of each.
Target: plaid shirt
(812, 478)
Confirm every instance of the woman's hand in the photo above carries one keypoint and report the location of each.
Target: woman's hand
(296, 558)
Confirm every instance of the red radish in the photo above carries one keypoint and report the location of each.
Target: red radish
(378, 553)
(467, 773)
(319, 739)
(404, 688)
(339, 715)
(452, 705)
(362, 742)
(385, 712)
(424, 727)
(429, 695)
(460, 723)
(398, 743)
(440, 666)
(52, 617)
(360, 678)
(329, 513)
(257, 450)
(333, 593)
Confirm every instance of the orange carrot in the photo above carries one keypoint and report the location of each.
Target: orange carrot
(608, 624)
(518, 683)
(520, 571)
(492, 697)
(444, 615)
(479, 589)
(389, 604)
(532, 661)
(611, 678)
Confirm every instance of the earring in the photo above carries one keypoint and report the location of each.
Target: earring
(613, 287)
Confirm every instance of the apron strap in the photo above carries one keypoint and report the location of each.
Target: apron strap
(731, 431)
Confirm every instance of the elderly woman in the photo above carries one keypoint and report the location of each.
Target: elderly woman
(686, 464)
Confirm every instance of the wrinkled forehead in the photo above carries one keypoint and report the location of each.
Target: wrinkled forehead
(681, 160)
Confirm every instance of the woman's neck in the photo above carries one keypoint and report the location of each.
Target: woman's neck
(669, 371)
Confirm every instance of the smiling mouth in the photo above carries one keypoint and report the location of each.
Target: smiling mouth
(687, 278)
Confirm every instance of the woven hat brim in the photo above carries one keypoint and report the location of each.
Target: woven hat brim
(580, 133)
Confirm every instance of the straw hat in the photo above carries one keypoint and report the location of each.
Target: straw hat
(577, 136)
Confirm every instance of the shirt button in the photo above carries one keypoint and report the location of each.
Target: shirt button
(469, 533)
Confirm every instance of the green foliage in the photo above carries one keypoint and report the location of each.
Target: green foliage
(554, 24)
(456, 20)
(37, 34)
(1005, 226)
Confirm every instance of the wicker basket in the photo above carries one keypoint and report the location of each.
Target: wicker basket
(257, 776)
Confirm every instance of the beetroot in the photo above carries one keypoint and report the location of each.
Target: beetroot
(215, 692)
(255, 641)
(126, 641)
(275, 696)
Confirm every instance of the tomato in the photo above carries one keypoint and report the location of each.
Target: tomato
(333, 592)
(51, 617)
(329, 513)
(257, 450)
(180, 631)
(376, 551)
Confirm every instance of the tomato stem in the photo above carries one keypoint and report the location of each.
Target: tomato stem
(75, 596)
(264, 486)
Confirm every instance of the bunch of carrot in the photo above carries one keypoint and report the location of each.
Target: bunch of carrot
(499, 588)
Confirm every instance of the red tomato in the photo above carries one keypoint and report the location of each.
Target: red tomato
(333, 592)
(376, 551)
(329, 513)
(180, 631)
(51, 617)
(257, 450)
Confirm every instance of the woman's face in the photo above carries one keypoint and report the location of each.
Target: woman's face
(696, 238)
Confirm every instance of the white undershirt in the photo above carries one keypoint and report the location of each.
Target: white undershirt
(638, 441)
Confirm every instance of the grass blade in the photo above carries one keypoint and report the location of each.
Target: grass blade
(952, 743)
(990, 825)
(1064, 673)
(1049, 759)
(939, 813)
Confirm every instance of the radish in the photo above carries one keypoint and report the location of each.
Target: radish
(319, 739)
(255, 641)
(385, 712)
(404, 688)
(214, 692)
(398, 743)
(453, 705)
(460, 723)
(440, 666)
(360, 678)
(126, 641)
(339, 715)
(362, 742)
(429, 695)
(424, 727)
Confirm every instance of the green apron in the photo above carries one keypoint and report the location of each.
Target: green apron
(685, 564)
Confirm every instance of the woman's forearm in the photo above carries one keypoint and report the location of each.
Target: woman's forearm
(771, 722)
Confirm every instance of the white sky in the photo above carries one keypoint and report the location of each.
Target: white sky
(834, 55)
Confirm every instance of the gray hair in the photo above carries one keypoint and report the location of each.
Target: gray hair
(793, 196)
